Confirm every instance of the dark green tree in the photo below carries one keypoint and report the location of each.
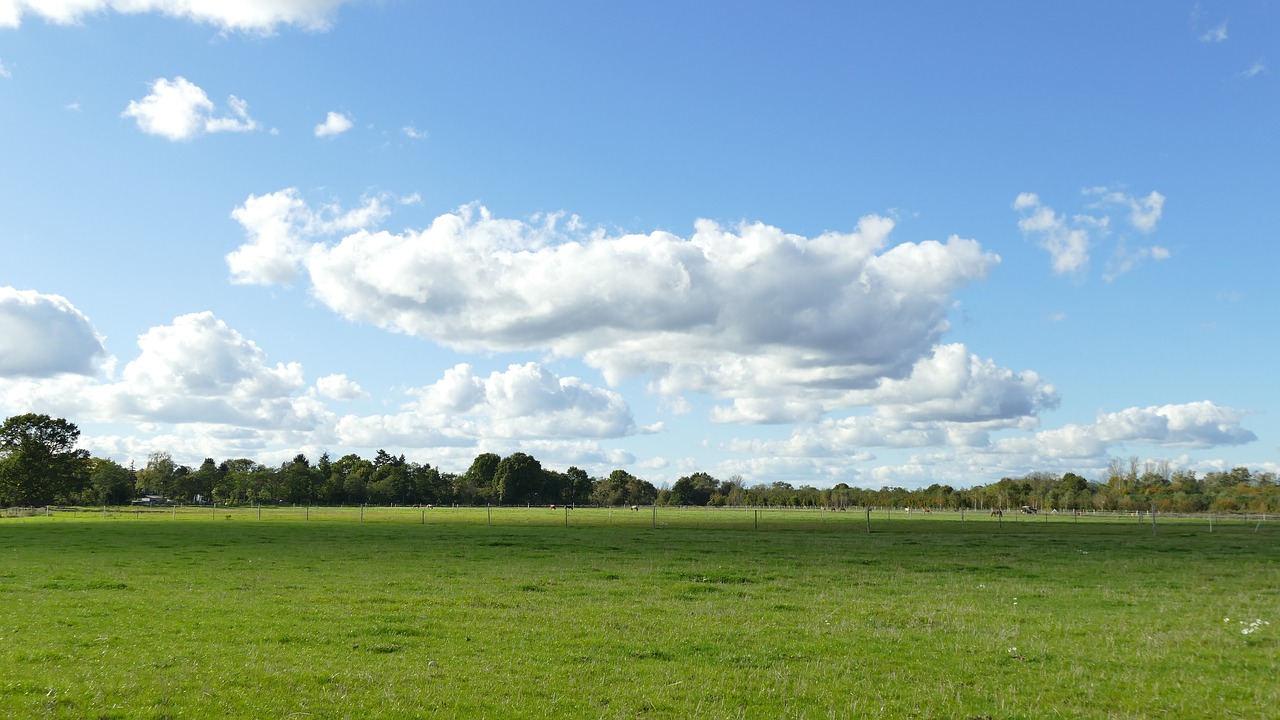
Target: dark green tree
(519, 479)
(578, 486)
(204, 480)
(157, 477)
(695, 489)
(432, 487)
(482, 470)
(39, 461)
(392, 481)
(110, 483)
(296, 480)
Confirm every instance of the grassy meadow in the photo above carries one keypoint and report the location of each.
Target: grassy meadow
(537, 613)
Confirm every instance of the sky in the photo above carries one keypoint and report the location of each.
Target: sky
(883, 244)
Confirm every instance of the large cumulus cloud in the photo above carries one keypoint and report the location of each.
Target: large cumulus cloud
(44, 335)
(786, 326)
(197, 387)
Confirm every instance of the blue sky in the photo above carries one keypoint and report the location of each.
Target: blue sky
(873, 243)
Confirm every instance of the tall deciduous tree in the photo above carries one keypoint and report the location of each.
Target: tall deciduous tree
(519, 479)
(39, 462)
(110, 483)
(158, 476)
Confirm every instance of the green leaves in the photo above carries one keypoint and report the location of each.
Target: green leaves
(39, 462)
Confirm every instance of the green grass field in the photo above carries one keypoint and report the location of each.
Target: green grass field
(712, 614)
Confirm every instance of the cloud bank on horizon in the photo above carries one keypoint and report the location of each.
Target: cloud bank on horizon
(734, 346)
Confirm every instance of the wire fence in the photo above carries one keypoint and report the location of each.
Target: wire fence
(656, 517)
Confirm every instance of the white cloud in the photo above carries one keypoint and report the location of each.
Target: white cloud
(199, 388)
(334, 124)
(240, 122)
(1070, 242)
(954, 385)
(1197, 424)
(753, 313)
(1067, 246)
(1258, 67)
(963, 454)
(45, 335)
(258, 16)
(200, 370)
(4, 70)
(1215, 34)
(339, 387)
(527, 401)
(1123, 259)
(180, 110)
(195, 371)
(1144, 213)
(279, 225)
(952, 398)
(414, 133)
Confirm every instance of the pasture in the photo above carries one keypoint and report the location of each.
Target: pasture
(515, 613)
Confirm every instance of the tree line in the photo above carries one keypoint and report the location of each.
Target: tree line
(40, 465)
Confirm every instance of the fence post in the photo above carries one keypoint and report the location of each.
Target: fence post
(488, 515)
(868, 519)
(361, 512)
(757, 519)
(655, 516)
(1153, 517)
(259, 512)
(566, 516)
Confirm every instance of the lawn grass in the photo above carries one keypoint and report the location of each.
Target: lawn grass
(443, 614)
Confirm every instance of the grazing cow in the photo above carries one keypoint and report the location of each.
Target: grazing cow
(635, 508)
(996, 512)
(553, 506)
(928, 510)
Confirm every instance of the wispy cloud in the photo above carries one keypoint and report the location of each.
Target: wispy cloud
(1069, 242)
(1144, 212)
(1068, 246)
(259, 16)
(4, 70)
(1215, 34)
(414, 133)
(1258, 67)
